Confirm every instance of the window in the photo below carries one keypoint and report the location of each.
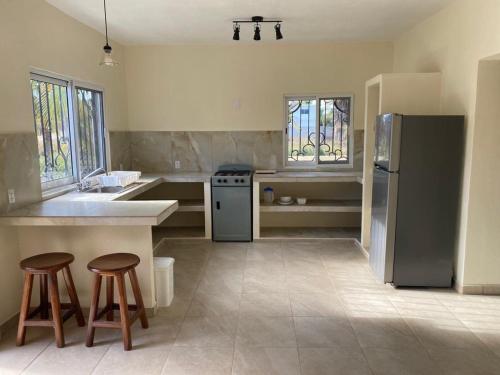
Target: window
(318, 131)
(70, 142)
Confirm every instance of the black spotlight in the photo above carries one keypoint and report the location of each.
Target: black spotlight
(236, 35)
(277, 28)
(256, 34)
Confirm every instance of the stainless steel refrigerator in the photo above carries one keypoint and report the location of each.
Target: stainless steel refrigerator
(416, 187)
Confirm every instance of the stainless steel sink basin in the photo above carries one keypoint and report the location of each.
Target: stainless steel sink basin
(112, 189)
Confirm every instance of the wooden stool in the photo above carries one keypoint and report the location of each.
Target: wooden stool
(46, 266)
(115, 266)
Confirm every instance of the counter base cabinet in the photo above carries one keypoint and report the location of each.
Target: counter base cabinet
(332, 210)
(87, 243)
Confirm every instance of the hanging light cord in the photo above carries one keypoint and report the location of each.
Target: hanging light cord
(106, 22)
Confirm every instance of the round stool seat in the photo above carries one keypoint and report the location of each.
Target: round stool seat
(114, 262)
(47, 261)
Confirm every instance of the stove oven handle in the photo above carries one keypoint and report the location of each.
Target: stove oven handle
(217, 205)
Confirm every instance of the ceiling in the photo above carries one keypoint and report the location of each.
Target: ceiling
(209, 21)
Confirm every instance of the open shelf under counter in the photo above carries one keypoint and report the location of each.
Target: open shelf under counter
(310, 232)
(314, 205)
(191, 205)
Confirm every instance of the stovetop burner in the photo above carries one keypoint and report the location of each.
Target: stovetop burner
(232, 173)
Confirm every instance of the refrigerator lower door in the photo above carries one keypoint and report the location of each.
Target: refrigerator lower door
(384, 209)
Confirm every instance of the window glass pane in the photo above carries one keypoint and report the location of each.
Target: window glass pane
(301, 130)
(52, 125)
(90, 130)
(334, 122)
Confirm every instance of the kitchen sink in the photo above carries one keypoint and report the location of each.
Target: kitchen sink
(112, 189)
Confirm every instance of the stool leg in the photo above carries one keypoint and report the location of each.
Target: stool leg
(94, 305)
(44, 297)
(124, 320)
(70, 286)
(110, 296)
(25, 307)
(56, 310)
(138, 298)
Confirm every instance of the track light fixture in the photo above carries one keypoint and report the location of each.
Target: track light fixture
(256, 33)
(256, 20)
(236, 28)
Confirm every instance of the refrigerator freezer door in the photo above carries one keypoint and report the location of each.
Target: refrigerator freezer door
(384, 208)
(387, 141)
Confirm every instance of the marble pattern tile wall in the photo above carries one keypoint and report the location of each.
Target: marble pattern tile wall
(19, 170)
(157, 151)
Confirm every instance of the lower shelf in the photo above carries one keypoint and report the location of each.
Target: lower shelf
(177, 232)
(303, 232)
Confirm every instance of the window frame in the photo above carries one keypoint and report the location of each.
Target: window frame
(50, 188)
(316, 164)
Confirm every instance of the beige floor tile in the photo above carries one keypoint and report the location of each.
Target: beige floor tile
(366, 301)
(204, 304)
(444, 333)
(266, 361)
(259, 331)
(177, 309)
(400, 361)
(265, 304)
(264, 282)
(142, 360)
(218, 282)
(324, 332)
(265, 251)
(15, 359)
(309, 284)
(383, 331)
(466, 361)
(199, 361)
(333, 361)
(316, 304)
(207, 331)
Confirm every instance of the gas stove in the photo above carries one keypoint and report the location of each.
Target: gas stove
(232, 203)
(232, 177)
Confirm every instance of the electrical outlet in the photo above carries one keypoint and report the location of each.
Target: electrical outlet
(12, 196)
(177, 164)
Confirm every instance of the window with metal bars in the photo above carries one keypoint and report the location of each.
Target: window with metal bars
(69, 127)
(318, 131)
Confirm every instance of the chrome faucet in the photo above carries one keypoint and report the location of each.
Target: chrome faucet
(85, 183)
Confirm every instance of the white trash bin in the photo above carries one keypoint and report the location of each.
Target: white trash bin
(164, 280)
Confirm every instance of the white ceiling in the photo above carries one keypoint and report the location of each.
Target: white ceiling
(209, 21)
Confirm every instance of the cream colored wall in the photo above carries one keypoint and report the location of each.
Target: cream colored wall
(35, 34)
(241, 87)
(452, 42)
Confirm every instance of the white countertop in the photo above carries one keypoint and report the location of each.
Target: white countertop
(76, 208)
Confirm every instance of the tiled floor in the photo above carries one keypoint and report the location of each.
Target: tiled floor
(282, 307)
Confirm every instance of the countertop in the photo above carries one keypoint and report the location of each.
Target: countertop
(307, 176)
(77, 208)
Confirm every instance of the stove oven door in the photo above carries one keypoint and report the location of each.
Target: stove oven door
(231, 213)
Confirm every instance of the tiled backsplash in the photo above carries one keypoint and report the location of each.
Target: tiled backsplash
(19, 169)
(157, 151)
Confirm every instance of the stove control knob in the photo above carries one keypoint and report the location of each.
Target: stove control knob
(236, 180)
(219, 180)
(225, 180)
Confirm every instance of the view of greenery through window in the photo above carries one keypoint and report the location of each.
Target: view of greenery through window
(51, 113)
(328, 127)
(67, 151)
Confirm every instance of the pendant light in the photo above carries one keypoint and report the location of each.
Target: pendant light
(107, 59)
(257, 21)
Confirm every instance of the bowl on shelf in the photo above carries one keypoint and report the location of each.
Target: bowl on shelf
(285, 199)
(301, 201)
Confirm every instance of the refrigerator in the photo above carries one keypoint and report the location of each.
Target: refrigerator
(415, 198)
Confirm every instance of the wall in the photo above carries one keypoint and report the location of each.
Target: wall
(34, 34)
(241, 87)
(452, 42)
